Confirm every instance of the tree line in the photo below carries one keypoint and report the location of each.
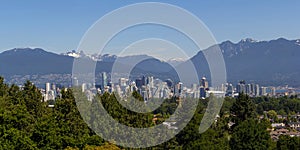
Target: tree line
(26, 122)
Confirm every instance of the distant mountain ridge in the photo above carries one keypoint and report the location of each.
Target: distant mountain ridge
(273, 62)
(27, 61)
(263, 61)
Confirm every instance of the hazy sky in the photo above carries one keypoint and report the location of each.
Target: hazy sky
(58, 26)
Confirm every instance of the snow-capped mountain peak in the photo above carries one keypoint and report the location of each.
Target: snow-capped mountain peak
(248, 40)
(95, 57)
(176, 61)
(73, 53)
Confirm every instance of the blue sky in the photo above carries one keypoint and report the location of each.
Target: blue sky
(58, 26)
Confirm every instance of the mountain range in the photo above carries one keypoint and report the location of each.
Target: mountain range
(273, 62)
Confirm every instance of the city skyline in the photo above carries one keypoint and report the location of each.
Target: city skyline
(151, 88)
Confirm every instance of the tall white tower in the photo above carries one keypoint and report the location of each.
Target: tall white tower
(47, 89)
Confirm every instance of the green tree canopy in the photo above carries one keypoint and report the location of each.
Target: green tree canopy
(250, 134)
(243, 108)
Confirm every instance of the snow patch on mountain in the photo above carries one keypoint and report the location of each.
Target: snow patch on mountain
(249, 40)
(297, 42)
(95, 57)
(176, 61)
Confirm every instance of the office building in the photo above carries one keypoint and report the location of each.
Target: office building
(241, 87)
(204, 83)
(263, 91)
(103, 80)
